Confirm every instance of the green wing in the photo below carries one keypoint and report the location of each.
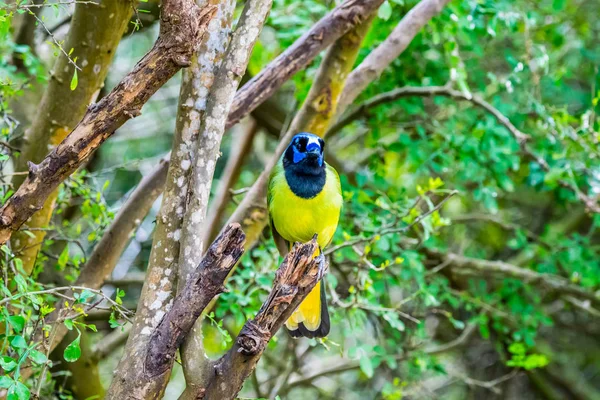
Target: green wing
(337, 177)
(280, 242)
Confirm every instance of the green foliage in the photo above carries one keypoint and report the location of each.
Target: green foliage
(520, 359)
(426, 177)
(73, 351)
(538, 66)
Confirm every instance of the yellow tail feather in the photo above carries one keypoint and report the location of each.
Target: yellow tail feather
(309, 311)
(311, 319)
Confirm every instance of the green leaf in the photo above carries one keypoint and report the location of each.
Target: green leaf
(366, 366)
(21, 283)
(38, 357)
(18, 342)
(7, 363)
(63, 259)
(385, 11)
(6, 382)
(83, 296)
(17, 322)
(6, 250)
(394, 321)
(69, 324)
(74, 80)
(18, 392)
(558, 5)
(73, 351)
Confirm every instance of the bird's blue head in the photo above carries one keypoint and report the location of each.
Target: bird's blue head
(305, 151)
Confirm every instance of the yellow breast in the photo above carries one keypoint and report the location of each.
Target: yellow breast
(297, 219)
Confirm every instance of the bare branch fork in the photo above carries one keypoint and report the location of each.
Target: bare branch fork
(297, 275)
(200, 289)
(182, 25)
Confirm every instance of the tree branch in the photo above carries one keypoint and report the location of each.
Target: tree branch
(93, 38)
(521, 137)
(461, 265)
(154, 357)
(380, 58)
(298, 274)
(335, 24)
(203, 285)
(182, 25)
(239, 151)
(212, 123)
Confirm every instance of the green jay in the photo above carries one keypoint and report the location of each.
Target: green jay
(304, 198)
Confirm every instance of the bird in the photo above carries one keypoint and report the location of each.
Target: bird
(305, 198)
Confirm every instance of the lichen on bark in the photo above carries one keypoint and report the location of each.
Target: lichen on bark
(221, 95)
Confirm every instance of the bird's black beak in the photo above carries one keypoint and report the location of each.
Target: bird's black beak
(313, 154)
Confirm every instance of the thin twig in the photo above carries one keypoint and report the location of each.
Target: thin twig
(389, 230)
(446, 91)
(58, 3)
(56, 42)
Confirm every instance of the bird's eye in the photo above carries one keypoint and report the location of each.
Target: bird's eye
(302, 144)
(322, 144)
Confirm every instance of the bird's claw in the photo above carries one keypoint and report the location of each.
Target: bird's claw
(323, 266)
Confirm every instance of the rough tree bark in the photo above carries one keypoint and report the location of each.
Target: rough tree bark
(161, 279)
(94, 35)
(218, 104)
(153, 368)
(182, 24)
(243, 145)
(204, 284)
(222, 92)
(296, 277)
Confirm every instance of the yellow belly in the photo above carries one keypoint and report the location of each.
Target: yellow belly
(297, 219)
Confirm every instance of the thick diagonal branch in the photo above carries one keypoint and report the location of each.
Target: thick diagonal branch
(182, 25)
(94, 34)
(337, 23)
(380, 58)
(298, 274)
(315, 115)
(205, 283)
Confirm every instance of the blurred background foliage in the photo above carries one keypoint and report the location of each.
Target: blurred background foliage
(408, 319)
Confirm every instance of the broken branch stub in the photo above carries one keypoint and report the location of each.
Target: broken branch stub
(296, 277)
(201, 288)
